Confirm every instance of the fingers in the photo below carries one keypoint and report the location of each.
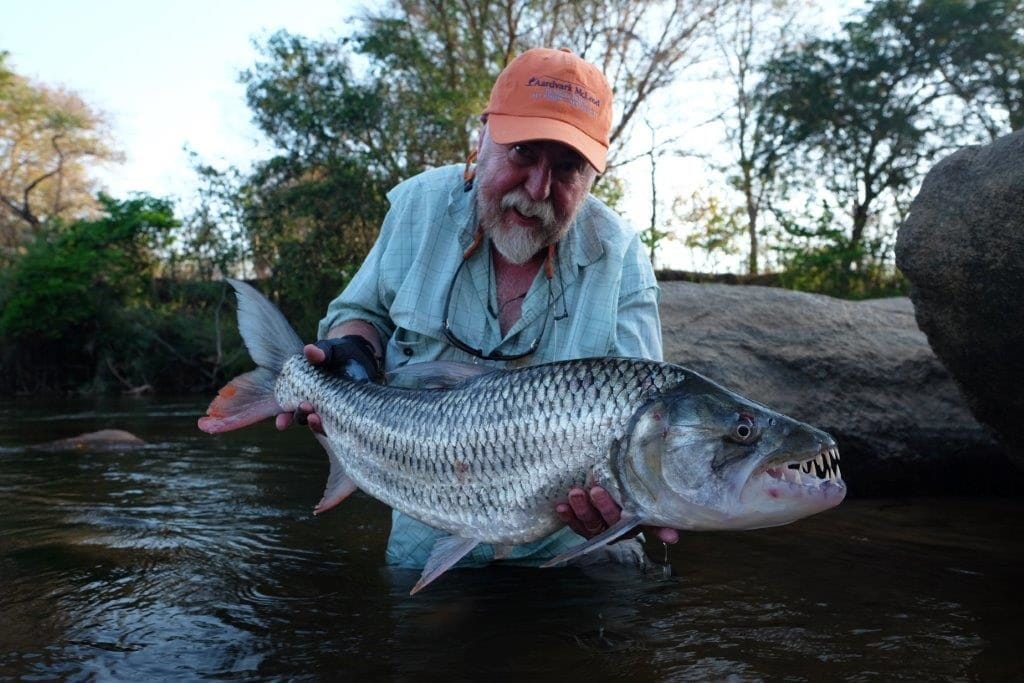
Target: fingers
(608, 509)
(588, 514)
(315, 424)
(314, 354)
(303, 415)
(666, 535)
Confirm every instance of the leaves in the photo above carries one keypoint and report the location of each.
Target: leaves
(49, 141)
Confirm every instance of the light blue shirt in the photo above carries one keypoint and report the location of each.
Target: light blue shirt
(605, 303)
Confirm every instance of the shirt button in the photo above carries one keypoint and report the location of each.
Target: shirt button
(407, 351)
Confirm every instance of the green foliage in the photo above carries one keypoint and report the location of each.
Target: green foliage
(82, 310)
(610, 189)
(865, 112)
(815, 260)
(712, 227)
(312, 212)
(73, 278)
(974, 48)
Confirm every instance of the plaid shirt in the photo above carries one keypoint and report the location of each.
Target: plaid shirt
(605, 303)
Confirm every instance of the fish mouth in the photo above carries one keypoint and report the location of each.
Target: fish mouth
(787, 489)
(817, 471)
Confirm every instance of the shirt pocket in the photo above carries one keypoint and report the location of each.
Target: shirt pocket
(407, 346)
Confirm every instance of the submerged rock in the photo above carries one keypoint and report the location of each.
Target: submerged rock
(103, 440)
(862, 371)
(962, 248)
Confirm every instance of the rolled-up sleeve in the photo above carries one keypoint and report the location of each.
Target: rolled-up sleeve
(637, 323)
(638, 327)
(361, 299)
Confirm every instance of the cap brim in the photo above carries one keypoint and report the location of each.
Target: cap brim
(506, 130)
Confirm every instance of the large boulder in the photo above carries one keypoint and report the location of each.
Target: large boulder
(862, 371)
(962, 248)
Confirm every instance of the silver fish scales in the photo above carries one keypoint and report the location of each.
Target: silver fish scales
(490, 456)
(486, 454)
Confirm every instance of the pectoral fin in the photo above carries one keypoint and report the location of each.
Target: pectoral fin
(339, 487)
(626, 523)
(446, 552)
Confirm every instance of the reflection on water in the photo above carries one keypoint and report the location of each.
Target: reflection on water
(198, 556)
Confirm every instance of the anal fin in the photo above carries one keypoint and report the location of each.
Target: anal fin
(626, 523)
(445, 553)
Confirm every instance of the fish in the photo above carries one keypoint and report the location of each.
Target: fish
(486, 454)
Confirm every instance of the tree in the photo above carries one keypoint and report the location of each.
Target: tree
(49, 139)
(976, 48)
(859, 117)
(452, 52)
(750, 33)
(864, 112)
(71, 302)
(311, 212)
(715, 228)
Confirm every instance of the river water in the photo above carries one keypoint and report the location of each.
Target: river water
(198, 557)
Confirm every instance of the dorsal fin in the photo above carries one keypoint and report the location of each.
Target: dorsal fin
(437, 374)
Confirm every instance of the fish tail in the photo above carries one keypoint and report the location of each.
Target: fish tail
(271, 341)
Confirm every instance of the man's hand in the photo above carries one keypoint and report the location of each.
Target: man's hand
(590, 515)
(349, 356)
(304, 415)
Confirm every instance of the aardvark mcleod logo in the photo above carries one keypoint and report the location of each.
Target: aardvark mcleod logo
(573, 94)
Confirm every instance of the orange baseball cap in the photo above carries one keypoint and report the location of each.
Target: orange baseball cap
(546, 94)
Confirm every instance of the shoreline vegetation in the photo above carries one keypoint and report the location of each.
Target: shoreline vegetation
(159, 336)
(822, 135)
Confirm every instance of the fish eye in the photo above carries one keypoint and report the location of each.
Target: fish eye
(745, 430)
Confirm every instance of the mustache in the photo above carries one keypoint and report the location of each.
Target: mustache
(520, 201)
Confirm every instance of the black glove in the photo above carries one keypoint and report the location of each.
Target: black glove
(351, 357)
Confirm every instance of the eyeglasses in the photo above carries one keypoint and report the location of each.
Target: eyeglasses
(454, 340)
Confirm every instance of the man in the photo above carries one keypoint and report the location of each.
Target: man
(511, 263)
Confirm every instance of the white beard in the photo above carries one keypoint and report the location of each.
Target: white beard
(517, 243)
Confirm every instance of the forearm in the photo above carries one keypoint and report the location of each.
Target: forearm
(362, 329)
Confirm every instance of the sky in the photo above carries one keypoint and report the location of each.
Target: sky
(165, 74)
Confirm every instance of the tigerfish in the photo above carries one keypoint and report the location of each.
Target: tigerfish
(486, 454)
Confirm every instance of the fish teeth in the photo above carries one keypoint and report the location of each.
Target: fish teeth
(824, 466)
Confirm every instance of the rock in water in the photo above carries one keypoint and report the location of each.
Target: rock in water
(962, 248)
(103, 440)
(861, 369)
